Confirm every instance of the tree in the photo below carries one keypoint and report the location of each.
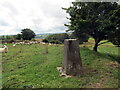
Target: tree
(27, 34)
(93, 19)
(18, 36)
(81, 37)
(8, 37)
(115, 19)
(115, 41)
(3, 37)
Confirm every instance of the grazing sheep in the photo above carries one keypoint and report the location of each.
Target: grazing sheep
(4, 50)
(14, 45)
(50, 44)
(27, 43)
(43, 43)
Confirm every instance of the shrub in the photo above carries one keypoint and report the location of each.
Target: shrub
(56, 38)
(45, 40)
(115, 41)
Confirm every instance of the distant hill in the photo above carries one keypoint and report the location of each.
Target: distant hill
(41, 36)
(38, 36)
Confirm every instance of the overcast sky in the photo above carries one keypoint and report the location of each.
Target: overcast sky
(42, 16)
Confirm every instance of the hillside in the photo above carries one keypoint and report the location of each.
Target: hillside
(41, 36)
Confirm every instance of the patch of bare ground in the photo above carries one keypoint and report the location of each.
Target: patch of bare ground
(95, 85)
(99, 79)
(99, 85)
(103, 82)
(87, 70)
(113, 64)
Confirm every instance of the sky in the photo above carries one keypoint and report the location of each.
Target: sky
(41, 16)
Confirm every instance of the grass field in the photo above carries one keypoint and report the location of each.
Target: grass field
(92, 40)
(31, 66)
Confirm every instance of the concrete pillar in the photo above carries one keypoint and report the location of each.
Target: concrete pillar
(71, 64)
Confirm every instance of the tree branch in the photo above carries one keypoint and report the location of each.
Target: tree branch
(103, 43)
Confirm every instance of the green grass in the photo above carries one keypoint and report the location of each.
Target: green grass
(30, 65)
(91, 41)
(108, 43)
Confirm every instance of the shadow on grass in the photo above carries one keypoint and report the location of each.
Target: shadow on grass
(112, 57)
(105, 55)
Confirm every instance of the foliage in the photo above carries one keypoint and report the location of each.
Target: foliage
(115, 41)
(80, 36)
(27, 34)
(115, 19)
(7, 38)
(33, 39)
(18, 36)
(2, 37)
(94, 19)
(56, 38)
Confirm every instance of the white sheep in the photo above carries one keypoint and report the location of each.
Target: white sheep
(14, 45)
(50, 44)
(4, 50)
(43, 43)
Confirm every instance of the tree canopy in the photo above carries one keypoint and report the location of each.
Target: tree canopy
(18, 36)
(97, 19)
(81, 37)
(27, 34)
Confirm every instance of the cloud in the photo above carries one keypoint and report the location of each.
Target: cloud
(41, 16)
(3, 23)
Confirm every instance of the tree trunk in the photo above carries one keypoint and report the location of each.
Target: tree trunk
(96, 45)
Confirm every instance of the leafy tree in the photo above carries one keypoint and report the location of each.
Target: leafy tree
(115, 19)
(94, 19)
(81, 37)
(8, 37)
(2, 37)
(115, 41)
(18, 36)
(27, 34)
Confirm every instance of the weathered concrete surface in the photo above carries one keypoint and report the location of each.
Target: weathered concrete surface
(71, 64)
